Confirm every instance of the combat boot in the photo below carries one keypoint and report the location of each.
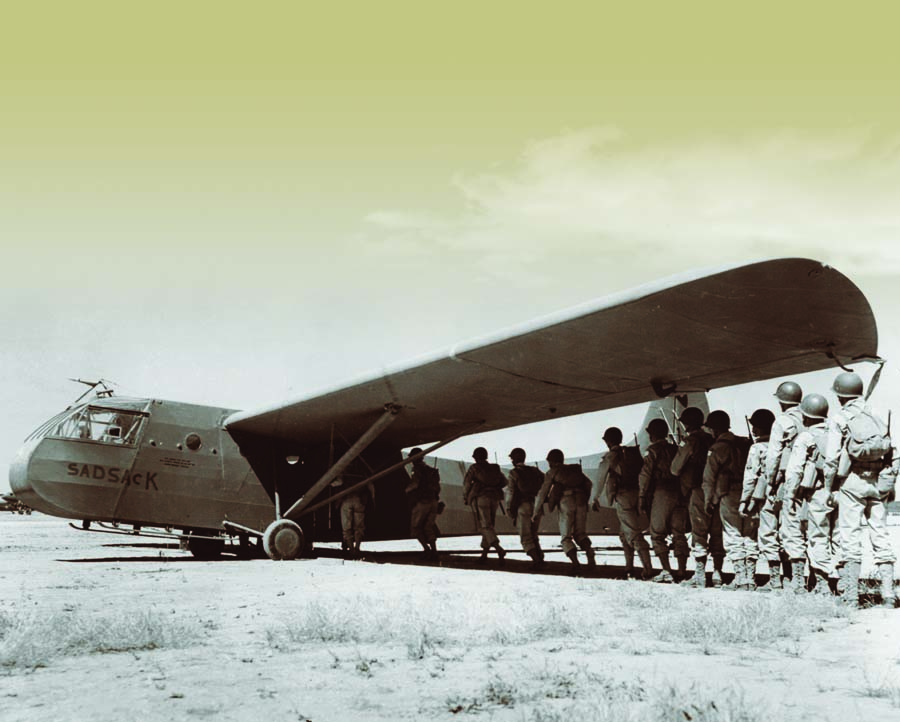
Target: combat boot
(716, 580)
(798, 580)
(536, 558)
(749, 575)
(665, 576)
(483, 558)
(774, 583)
(573, 557)
(629, 563)
(647, 565)
(821, 587)
(698, 581)
(591, 559)
(682, 568)
(850, 595)
(888, 595)
(501, 552)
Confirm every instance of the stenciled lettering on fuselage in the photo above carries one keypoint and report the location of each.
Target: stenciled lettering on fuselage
(113, 475)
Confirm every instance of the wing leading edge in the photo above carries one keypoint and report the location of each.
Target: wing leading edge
(690, 332)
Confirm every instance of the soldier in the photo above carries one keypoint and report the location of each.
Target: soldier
(706, 529)
(483, 489)
(858, 454)
(568, 487)
(524, 484)
(621, 483)
(805, 482)
(659, 496)
(723, 481)
(771, 536)
(353, 517)
(423, 493)
(753, 496)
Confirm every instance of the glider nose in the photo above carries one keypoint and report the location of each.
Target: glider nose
(18, 474)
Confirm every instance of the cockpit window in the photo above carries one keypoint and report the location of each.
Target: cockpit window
(90, 423)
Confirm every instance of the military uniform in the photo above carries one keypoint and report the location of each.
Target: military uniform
(804, 480)
(706, 529)
(485, 498)
(723, 481)
(860, 505)
(623, 495)
(524, 484)
(575, 489)
(668, 513)
(353, 518)
(423, 493)
(772, 525)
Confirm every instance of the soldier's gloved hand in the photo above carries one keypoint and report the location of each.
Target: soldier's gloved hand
(832, 500)
(642, 505)
(710, 508)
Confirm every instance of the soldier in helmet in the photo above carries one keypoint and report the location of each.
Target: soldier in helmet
(805, 482)
(524, 484)
(568, 484)
(623, 467)
(423, 493)
(859, 476)
(706, 529)
(723, 481)
(784, 431)
(753, 496)
(659, 496)
(483, 489)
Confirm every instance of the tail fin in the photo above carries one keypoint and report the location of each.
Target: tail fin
(669, 409)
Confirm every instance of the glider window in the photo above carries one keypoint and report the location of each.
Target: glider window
(106, 426)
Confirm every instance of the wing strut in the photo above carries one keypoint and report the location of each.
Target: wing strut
(385, 420)
(393, 467)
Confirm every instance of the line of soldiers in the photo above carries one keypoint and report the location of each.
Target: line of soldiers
(746, 498)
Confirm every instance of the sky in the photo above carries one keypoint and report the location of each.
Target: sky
(229, 204)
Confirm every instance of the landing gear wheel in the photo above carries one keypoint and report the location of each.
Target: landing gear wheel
(283, 539)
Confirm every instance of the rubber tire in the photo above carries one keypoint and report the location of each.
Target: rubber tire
(283, 539)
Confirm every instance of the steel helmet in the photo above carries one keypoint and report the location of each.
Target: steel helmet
(718, 420)
(517, 455)
(848, 384)
(692, 417)
(762, 419)
(480, 453)
(658, 428)
(789, 392)
(814, 406)
(613, 434)
(555, 456)
(413, 452)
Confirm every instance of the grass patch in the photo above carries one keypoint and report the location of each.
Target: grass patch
(727, 619)
(33, 640)
(427, 624)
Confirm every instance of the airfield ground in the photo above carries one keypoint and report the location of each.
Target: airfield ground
(94, 627)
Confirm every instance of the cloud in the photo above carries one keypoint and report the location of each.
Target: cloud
(832, 196)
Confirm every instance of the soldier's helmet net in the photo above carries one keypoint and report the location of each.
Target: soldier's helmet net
(555, 456)
(814, 406)
(517, 454)
(848, 384)
(762, 420)
(691, 417)
(658, 428)
(480, 453)
(613, 435)
(789, 392)
(718, 420)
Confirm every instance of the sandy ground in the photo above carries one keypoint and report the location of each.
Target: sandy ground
(325, 639)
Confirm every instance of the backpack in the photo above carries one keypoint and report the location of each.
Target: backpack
(869, 439)
(490, 476)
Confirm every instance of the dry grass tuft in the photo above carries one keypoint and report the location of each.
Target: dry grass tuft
(34, 639)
